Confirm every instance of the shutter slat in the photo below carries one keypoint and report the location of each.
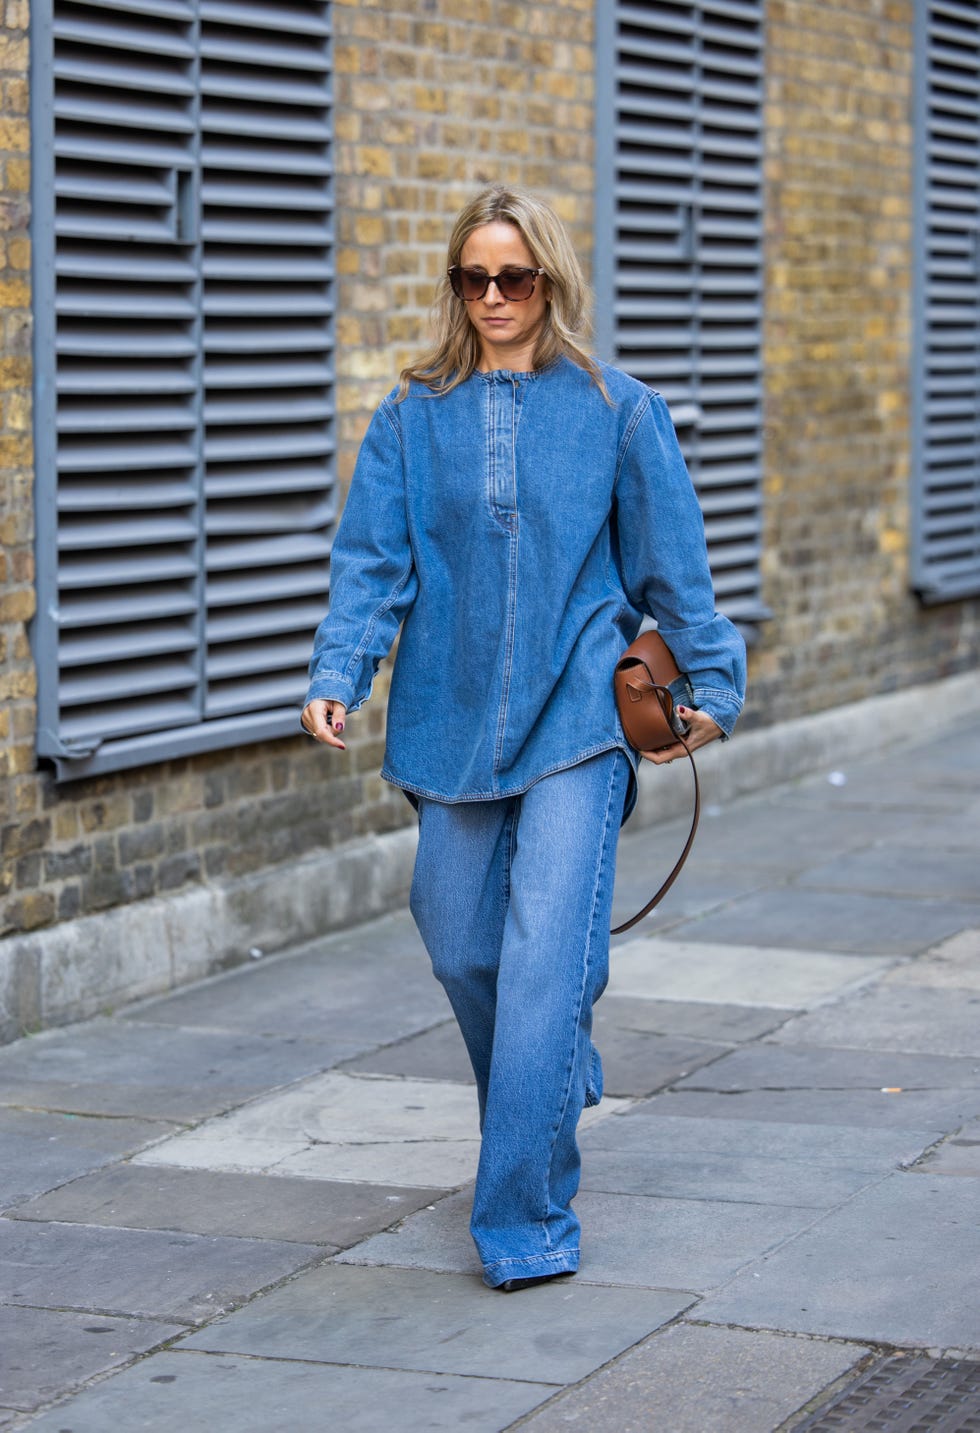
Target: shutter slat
(946, 506)
(685, 313)
(283, 16)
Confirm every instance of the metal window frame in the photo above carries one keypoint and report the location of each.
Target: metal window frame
(928, 585)
(686, 415)
(74, 761)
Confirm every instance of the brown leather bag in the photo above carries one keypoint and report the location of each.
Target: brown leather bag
(646, 710)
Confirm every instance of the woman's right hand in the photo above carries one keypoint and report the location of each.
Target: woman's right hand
(325, 721)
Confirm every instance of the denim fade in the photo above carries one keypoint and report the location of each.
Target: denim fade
(513, 900)
(517, 529)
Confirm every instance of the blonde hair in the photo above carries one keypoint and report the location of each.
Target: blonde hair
(455, 353)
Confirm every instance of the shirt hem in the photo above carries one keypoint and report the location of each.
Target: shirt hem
(503, 794)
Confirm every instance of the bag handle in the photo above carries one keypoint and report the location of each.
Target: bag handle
(618, 930)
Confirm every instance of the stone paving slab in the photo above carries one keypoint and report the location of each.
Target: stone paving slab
(855, 921)
(337, 1126)
(814, 1067)
(746, 1180)
(47, 1352)
(697, 1019)
(641, 1049)
(805, 1084)
(771, 833)
(908, 780)
(870, 1109)
(929, 871)
(897, 1264)
(443, 1323)
(636, 1060)
(646, 1126)
(39, 1150)
(910, 1018)
(627, 1240)
(197, 1392)
(379, 1130)
(120, 1067)
(692, 1379)
(327, 994)
(954, 963)
(252, 1206)
(181, 1277)
(701, 887)
(436, 1054)
(957, 1155)
(954, 829)
(687, 968)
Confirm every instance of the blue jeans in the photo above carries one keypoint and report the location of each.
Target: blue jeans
(513, 899)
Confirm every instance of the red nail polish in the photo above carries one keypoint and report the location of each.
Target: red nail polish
(339, 726)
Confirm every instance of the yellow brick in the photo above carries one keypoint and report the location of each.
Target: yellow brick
(18, 412)
(372, 160)
(15, 293)
(15, 372)
(348, 261)
(369, 229)
(19, 253)
(18, 175)
(17, 684)
(20, 760)
(430, 99)
(366, 363)
(16, 96)
(15, 135)
(347, 59)
(16, 452)
(14, 54)
(347, 126)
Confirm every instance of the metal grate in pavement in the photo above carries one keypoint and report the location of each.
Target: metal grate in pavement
(905, 1395)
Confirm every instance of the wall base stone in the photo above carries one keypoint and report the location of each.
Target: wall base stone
(92, 965)
(87, 966)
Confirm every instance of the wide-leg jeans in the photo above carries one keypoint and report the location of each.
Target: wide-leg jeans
(513, 899)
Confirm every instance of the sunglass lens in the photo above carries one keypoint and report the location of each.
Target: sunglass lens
(516, 284)
(474, 283)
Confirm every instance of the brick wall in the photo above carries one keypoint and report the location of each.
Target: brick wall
(431, 101)
(17, 801)
(838, 348)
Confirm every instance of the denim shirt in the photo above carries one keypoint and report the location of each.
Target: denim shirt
(517, 529)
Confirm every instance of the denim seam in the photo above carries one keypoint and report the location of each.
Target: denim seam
(600, 864)
(375, 617)
(498, 750)
(534, 1258)
(631, 428)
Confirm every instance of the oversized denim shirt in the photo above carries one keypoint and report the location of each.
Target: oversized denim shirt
(517, 529)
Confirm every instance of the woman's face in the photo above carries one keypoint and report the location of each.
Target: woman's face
(507, 330)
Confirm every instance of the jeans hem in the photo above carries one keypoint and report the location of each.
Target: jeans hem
(497, 1273)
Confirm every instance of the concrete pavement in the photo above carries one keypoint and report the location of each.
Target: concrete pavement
(244, 1206)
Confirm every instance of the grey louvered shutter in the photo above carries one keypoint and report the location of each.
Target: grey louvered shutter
(678, 267)
(184, 414)
(946, 388)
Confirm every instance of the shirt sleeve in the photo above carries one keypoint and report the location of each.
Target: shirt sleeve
(664, 563)
(373, 582)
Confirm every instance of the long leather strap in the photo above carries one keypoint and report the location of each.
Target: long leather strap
(618, 930)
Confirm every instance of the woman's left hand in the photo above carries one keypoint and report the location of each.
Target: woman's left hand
(702, 730)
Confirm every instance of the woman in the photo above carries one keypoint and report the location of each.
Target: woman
(516, 508)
